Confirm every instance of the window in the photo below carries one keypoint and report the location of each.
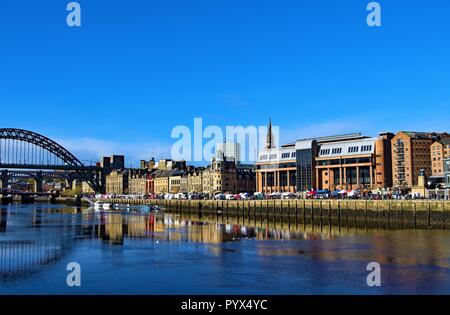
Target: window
(353, 149)
(293, 154)
(272, 156)
(336, 151)
(263, 157)
(285, 155)
(324, 151)
(366, 148)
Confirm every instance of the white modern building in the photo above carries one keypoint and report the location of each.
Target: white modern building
(230, 150)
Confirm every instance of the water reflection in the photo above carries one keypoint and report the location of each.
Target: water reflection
(35, 236)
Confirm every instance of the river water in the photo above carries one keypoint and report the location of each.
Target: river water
(141, 253)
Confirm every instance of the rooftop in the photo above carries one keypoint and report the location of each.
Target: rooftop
(422, 135)
(333, 138)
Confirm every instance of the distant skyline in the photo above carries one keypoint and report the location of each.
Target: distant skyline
(136, 69)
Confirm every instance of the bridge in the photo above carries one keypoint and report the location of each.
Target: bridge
(28, 155)
(8, 176)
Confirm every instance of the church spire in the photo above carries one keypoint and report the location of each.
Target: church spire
(269, 140)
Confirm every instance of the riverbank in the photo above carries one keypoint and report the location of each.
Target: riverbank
(421, 214)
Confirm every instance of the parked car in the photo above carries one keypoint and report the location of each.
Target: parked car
(275, 195)
(229, 196)
(286, 195)
(245, 196)
(220, 196)
(258, 196)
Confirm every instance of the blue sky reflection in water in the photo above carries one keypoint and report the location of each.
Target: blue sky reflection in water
(163, 254)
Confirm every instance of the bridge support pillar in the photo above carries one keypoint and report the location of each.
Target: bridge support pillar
(38, 183)
(69, 183)
(4, 178)
(78, 200)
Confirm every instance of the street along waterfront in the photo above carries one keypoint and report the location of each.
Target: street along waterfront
(181, 253)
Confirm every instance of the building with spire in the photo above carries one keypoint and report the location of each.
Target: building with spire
(269, 139)
(346, 161)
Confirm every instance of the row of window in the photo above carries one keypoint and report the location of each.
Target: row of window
(288, 155)
(364, 148)
(274, 156)
(337, 151)
(444, 146)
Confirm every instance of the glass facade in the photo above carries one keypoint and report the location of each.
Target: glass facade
(304, 176)
(447, 172)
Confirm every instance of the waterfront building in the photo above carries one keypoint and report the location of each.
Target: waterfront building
(293, 167)
(223, 176)
(137, 182)
(230, 150)
(308, 155)
(150, 184)
(354, 164)
(276, 169)
(246, 179)
(117, 182)
(219, 176)
(410, 154)
(184, 187)
(175, 180)
(206, 181)
(439, 150)
(305, 154)
(161, 183)
(167, 177)
(195, 180)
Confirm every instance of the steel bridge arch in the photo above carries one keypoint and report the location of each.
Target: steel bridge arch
(47, 144)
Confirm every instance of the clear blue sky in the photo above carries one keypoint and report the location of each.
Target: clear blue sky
(138, 68)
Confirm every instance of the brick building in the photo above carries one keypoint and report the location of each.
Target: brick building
(410, 153)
